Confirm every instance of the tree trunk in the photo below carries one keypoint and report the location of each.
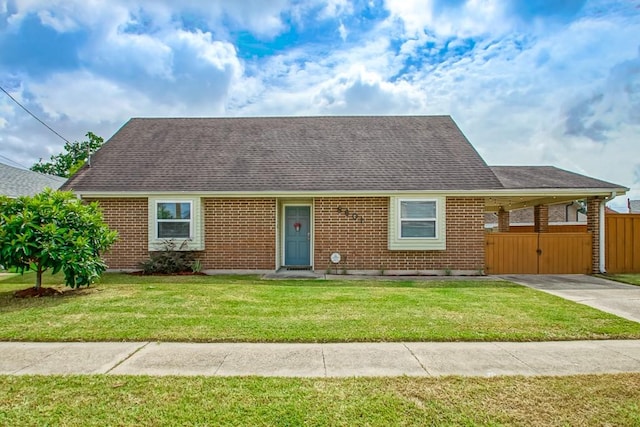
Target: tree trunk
(39, 276)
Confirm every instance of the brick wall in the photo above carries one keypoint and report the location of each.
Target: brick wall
(541, 218)
(503, 221)
(239, 234)
(363, 245)
(129, 217)
(593, 227)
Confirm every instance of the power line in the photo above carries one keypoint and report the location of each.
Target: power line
(14, 162)
(34, 116)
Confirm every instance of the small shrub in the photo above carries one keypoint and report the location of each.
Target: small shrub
(196, 266)
(55, 231)
(169, 260)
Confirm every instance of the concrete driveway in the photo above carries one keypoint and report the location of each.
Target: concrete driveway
(606, 295)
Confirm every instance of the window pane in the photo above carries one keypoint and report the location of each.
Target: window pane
(174, 210)
(169, 230)
(418, 229)
(417, 209)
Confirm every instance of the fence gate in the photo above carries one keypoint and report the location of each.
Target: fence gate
(538, 253)
(622, 237)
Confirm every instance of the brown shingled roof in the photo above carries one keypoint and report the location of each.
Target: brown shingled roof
(539, 177)
(287, 154)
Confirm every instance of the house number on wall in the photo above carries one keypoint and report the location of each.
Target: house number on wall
(353, 215)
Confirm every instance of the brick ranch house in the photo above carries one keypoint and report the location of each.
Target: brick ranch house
(392, 194)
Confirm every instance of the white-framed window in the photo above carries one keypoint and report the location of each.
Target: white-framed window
(174, 219)
(418, 219)
(417, 223)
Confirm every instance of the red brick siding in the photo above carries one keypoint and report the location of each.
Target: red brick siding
(239, 234)
(593, 227)
(541, 218)
(503, 221)
(364, 245)
(129, 217)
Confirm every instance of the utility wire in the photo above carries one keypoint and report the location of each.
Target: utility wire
(14, 162)
(34, 116)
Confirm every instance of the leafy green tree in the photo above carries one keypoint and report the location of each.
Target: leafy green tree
(54, 230)
(74, 156)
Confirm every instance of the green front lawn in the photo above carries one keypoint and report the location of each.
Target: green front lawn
(248, 309)
(102, 400)
(632, 279)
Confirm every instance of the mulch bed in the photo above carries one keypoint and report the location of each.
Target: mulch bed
(181, 273)
(37, 293)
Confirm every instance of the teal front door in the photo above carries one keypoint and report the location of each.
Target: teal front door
(297, 236)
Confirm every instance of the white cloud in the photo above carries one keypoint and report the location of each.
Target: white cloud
(343, 31)
(460, 18)
(59, 23)
(362, 92)
(257, 16)
(86, 97)
(123, 53)
(336, 8)
(260, 17)
(217, 54)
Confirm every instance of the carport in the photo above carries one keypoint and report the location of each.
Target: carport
(544, 251)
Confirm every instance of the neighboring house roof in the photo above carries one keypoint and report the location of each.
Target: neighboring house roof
(287, 154)
(634, 206)
(523, 177)
(16, 182)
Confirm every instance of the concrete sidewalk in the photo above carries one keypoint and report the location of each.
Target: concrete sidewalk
(322, 360)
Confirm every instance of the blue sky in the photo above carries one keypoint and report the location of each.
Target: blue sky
(541, 82)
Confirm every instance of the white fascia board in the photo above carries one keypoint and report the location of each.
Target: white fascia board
(541, 192)
(580, 192)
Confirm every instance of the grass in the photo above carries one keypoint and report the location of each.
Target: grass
(247, 309)
(631, 279)
(590, 400)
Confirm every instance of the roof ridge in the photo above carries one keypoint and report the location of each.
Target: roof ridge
(352, 116)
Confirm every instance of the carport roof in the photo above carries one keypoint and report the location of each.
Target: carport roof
(524, 177)
(525, 186)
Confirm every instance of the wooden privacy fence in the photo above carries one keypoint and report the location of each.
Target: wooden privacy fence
(538, 253)
(622, 243)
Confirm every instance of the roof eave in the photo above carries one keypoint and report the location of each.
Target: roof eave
(539, 192)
